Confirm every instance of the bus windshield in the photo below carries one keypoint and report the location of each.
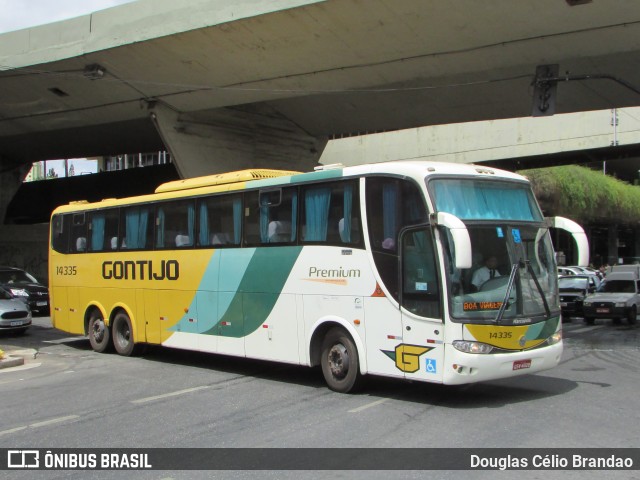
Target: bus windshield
(471, 199)
(517, 260)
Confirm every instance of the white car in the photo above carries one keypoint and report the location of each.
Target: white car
(15, 314)
(569, 271)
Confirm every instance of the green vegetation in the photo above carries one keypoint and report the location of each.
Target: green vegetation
(584, 195)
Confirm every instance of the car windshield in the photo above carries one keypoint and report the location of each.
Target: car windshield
(568, 283)
(618, 286)
(16, 276)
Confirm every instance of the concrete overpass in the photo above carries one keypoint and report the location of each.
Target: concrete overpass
(267, 82)
(228, 86)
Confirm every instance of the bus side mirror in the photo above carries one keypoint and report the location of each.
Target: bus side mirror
(460, 237)
(578, 235)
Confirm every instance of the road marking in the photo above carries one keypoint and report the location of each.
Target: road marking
(586, 329)
(53, 420)
(170, 394)
(368, 405)
(65, 340)
(17, 429)
(44, 423)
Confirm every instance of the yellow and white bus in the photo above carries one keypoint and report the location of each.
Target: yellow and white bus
(366, 270)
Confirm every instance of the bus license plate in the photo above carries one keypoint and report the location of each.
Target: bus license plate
(520, 364)
(602, 310)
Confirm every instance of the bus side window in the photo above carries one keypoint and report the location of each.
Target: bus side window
(219, 221)
(175, 224)
(392, 204)
(78, 233)
(103, 228)
(60, 229)
(271, 216)
(331, 214)
(136, 227)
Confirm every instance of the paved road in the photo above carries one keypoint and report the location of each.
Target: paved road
(70, 396)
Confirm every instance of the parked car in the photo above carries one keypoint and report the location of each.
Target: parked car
(617, 297)
(15, 314)
(22, 285)
(588, 270)
(573, 290)
(569, 271)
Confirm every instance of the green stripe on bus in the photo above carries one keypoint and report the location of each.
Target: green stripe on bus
(258, 292)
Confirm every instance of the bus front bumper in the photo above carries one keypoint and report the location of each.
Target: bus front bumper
(461, 368)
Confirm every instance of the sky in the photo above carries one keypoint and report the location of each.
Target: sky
(19, 14)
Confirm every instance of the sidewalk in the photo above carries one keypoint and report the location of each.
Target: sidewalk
(15, 356)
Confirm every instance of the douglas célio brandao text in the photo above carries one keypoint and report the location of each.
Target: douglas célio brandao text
(550, 462)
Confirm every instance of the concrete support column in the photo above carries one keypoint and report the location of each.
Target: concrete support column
(26, 246)
(10, 181)
(613, 244)
(228, 139)
(23, 246)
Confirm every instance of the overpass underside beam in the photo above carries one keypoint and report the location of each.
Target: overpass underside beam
(228, 139)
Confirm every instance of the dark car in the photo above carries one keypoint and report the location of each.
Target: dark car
(15, 315)
(573, 290)
(22, 285)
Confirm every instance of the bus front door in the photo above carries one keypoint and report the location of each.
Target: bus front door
(421, 353)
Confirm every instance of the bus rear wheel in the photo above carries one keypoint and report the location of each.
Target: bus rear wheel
(339, 361)
(123, 335)
(99, 333)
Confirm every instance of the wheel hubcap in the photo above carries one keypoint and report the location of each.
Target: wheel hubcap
(339, 361)
(98, 330)
(123, 335)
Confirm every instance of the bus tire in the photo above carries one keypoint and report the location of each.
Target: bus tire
(99, 333)
(339, 361)
(123, 335)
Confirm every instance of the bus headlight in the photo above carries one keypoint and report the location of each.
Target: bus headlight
(19, 292)
(555, 338)
(472, 347)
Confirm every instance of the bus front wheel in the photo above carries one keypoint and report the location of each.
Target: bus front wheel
(123, 335)
(99, 333)
(339, 361)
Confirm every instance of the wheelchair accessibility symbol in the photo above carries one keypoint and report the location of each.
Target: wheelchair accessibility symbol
(431, 365)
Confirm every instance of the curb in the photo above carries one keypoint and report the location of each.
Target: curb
(16, 358)
(10, 361)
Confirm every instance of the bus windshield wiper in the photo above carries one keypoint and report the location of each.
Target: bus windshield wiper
(505, 300)
(512, 276)
(535, 280)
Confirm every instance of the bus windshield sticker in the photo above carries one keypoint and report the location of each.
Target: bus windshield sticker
(479, 306)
